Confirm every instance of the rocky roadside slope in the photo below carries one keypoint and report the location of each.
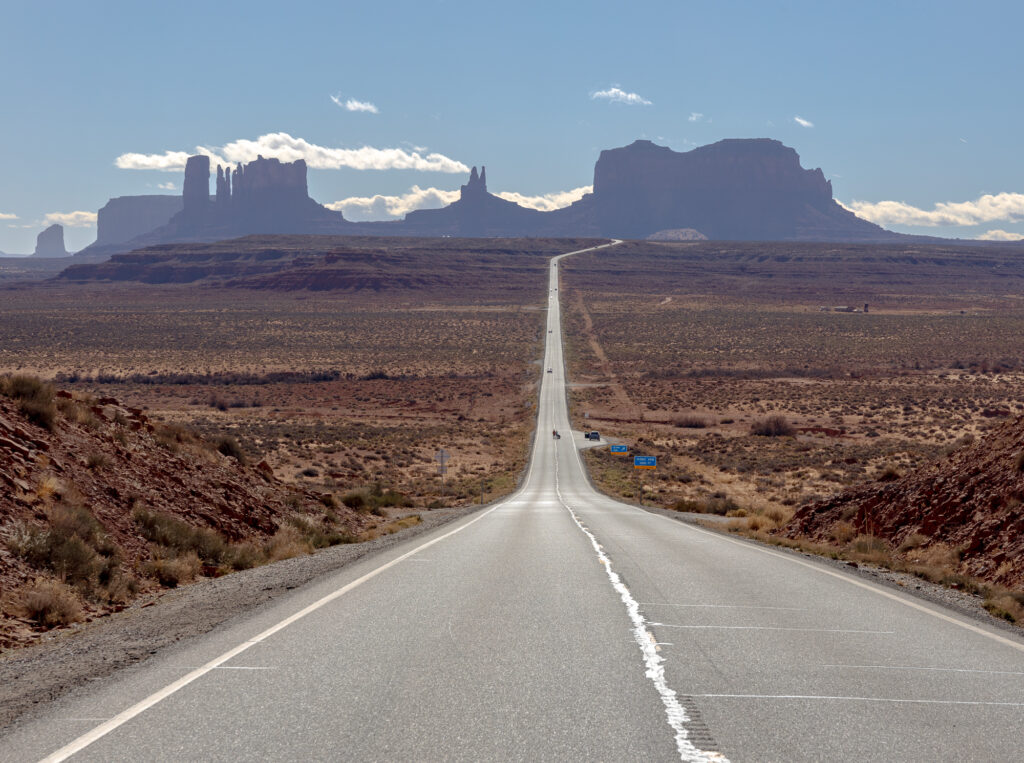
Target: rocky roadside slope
(966, 508)
(100, 506)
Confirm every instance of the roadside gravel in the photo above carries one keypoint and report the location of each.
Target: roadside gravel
(35, 675)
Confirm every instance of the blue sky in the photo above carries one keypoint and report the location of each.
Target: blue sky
(913, 103)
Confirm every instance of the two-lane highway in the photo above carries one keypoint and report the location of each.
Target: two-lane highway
(560, 624)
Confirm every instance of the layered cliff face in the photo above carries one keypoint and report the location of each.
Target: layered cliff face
(126, 217)
(50, 243)
(731, 190)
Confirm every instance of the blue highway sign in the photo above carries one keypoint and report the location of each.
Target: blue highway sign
(645, 462)
(619, 449)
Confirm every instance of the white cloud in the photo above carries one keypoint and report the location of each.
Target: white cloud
(617, 95)
(380, 207)
(695, 116)
(166, 186)
(1000, 235)
(283, 146)
(548, 201)
(1005, 207)
(77, 219)
(7, 216)
(803, 122)
(352, 104)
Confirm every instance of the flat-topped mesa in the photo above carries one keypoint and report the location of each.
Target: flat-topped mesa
(736, 189)
(477, 185)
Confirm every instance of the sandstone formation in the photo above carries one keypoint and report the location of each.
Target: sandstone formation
(477, 213)
(126, 217)
(50, 243)
(732, 190)
(195, 191)
(970, 501)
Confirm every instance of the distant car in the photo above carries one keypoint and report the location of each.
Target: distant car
(592, 435)
(550, 371)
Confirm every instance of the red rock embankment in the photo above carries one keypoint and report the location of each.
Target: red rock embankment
(970, 500)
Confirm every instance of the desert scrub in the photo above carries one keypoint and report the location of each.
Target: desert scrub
(171, 570)
(317, 535)
(229, 446)
(35, 398)
(45, 601)
(715, 504)
(375, 499)
(180, 537)
(74, 547)
(773, 426)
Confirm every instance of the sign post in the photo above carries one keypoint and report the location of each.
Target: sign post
(442, 457)
(639, 463)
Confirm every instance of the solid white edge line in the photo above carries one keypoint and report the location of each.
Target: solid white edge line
(123, 717)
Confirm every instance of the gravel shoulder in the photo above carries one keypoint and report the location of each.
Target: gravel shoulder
(38, 674)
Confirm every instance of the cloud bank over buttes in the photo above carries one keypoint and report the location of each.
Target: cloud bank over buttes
(383, 207)
(281, 145)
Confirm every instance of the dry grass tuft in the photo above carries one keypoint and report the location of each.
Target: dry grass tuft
(171, 571)
(35, 398)
(45, 601)
(286, 543)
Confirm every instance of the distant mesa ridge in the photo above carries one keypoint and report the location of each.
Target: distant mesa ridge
(733, 190)
(127, 217)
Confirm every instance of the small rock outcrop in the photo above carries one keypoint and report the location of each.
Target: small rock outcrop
(50, 243)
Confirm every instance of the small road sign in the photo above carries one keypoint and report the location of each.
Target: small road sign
(619, 449)
(645, 462)
(442, 456)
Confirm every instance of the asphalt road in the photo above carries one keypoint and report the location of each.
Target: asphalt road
(562, 625)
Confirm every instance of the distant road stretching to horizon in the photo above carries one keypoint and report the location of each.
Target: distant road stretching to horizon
(560, 624)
